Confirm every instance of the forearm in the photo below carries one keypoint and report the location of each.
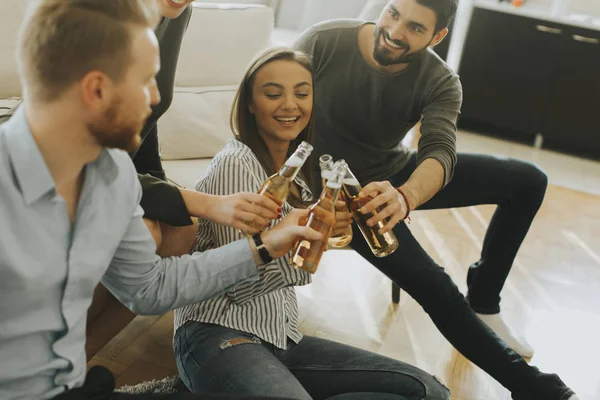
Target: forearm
(197, 203)
(424, 183)
(159, 285)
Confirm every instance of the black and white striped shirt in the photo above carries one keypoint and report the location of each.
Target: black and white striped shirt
(268, 307)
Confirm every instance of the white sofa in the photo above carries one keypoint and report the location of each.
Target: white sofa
(12, 13)
(221, 41)
(219, 45)
(197, 124)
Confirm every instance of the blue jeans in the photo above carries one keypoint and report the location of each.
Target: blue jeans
(215, 359)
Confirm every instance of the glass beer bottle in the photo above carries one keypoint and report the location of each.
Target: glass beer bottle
(321, 218)
(341, 239)
(277, 187)
(381, 244)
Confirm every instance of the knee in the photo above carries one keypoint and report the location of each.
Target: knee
(537, 178)
(177, 241)
(431, 388)
(434, 388)
(154, 228)
(534, 182)
(440, 391)
(189, 236)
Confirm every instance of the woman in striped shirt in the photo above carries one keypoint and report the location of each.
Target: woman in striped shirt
(247, 341)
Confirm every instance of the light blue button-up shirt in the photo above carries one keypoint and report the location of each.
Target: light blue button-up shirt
(49, 268)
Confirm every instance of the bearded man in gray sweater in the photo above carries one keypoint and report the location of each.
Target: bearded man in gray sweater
(373, 83)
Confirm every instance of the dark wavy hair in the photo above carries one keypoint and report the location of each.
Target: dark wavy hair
(445, 10)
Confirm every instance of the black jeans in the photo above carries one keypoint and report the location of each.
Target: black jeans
(100, 384)
(170, 36)
(517, 188)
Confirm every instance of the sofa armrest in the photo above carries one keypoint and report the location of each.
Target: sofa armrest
(12, 13)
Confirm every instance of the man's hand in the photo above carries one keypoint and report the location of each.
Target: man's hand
(242, 209)
(281, 238)
(386, 198)
(343, 219)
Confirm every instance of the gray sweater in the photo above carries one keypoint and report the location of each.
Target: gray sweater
(363, 114)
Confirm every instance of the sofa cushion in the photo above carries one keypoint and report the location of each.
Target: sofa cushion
(12, 13)
(220, 41)
(197, 123)
(186, 172)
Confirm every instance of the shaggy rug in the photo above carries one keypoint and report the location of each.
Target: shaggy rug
(171, 384)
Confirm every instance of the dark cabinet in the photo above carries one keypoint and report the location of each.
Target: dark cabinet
(572, 117)
(506, 70)
(523, 76)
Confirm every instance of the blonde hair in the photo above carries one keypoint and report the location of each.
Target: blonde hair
(62, 40)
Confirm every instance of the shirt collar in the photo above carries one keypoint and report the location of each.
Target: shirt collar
(31, 172)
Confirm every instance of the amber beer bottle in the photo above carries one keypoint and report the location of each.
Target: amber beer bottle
(381, 244)
(277, 187)
(341, 239)
(321, 218)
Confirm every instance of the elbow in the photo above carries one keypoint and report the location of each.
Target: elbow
(145, 308)
(139, 309)
(449, 164)
(146, 302)
(445, 154)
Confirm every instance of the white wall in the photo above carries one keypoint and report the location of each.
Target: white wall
(459, 34)
(585, 6)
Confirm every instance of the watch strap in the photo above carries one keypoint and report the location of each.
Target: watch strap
(262, 250)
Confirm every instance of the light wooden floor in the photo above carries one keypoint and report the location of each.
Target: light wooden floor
(552, 295)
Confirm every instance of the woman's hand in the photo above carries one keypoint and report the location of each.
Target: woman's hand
(248, 212)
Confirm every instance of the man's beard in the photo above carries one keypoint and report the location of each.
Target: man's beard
(115, 130)
(385, 57)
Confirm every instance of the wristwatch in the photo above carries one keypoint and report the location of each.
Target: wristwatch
(262, 250)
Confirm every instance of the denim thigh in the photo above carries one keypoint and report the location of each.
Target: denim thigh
(215, 359)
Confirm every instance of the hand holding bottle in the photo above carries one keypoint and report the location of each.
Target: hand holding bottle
(387, 200)
(277, 187)
(248, 212)
(381, 244)
(280, 239)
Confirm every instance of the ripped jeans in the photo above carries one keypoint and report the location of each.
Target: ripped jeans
(215, 359)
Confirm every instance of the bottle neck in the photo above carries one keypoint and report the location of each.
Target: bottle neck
(292, 166)
(325, 175)
(329, 196)
(289, 172)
